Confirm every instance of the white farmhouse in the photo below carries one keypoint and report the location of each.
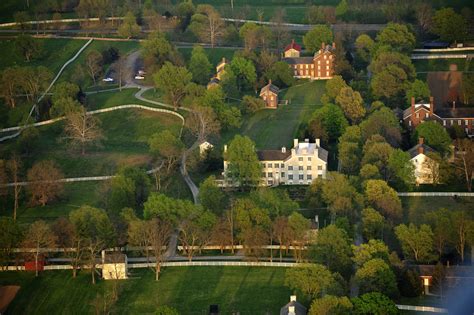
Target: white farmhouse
(298, 166)
(425, 167)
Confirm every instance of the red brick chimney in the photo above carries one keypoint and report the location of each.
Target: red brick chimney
(333, 45)
(421, 150)
(431, 105)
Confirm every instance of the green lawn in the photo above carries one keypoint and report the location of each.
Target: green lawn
(123, 47)
(249, 290)
(272, 129)
(113, 98)
(215, 55)
(441, 64)
(416, 207)
(53, 56)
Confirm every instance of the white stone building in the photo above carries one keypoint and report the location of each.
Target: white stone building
(425, 167)
(298, 166)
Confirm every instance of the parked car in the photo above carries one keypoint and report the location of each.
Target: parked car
(139, 77)
(109, 79)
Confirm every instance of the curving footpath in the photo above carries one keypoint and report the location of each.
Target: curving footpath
(47, 90)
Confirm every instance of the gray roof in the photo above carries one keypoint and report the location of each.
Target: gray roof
(323, 154)
(455, 113)
(298, 60)
(273, 155)
(414, 151)
(214, 80)
(299, 308)
(270, 87)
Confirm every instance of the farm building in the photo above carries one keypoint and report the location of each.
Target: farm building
(425, 167)
(447, 116)
(269, 93)
(318, 67)
(298, 166)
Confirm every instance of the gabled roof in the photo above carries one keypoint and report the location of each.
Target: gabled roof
(415, 150)
(298, 60)
(273, 155)
(299, 308)
(214, 80)
(293, 45)
(270, 87)
(407, 112)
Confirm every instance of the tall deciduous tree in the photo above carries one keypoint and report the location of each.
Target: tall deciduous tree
(167, 146)
(417, 242)
(464, 160)
(370, 250)
(316, 37)
(372, 224)
(94, 64)
(244, 71)
(207, 24)
(419, 90)
(442, 227)
(172, 81)
(9, 86)
(332, 248)
(203, 122)
(10, 237)
(38, 236)
(374, 303)
(200, 66)
(312, 280)
(195, 230)
(464, 231)
(434, 135)
(93, 227)
(14, 166)
(129, 28)
(211, 196)
(376, 276)
(384, 199)
(449, 25)
(44, 186)
(28, 47)
(82, 129)
(351, 103)
(244, 167)
(329, 304)
(398, 37)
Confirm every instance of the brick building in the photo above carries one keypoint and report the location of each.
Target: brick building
(318, 67)
(446, 116)
(269, 93)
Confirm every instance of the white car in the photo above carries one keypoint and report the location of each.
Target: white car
(141, 72)
(108, 79)
(139, 77)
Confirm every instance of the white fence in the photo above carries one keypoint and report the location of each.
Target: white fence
(215, 263)
(443, 49)
(417, 308)
(442, 56)
(436, 194)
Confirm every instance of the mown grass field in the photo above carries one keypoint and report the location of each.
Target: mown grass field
(113, 98)
(214, 55)
(272, 129)
(54, 54)
(191, 290)
(442, 65)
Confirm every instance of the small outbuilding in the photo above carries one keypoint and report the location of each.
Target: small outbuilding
(114, 266)
(293, 308)
(269, 93)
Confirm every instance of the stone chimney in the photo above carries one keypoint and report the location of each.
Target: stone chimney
(322, 45)
(291, 310)
(306, 140)
(333, 45)
(295, 143)
(318, 142)
(270, 82)
(225, 148)
(431, 105)
(292, 298)
(283, 150)
(223, 59)
(454, 104)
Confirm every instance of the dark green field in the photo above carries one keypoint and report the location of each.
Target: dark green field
(249, 290)
(54, 54)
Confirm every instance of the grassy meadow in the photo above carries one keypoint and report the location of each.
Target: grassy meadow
(250, 290)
